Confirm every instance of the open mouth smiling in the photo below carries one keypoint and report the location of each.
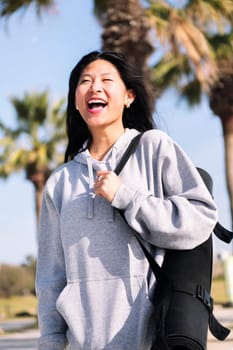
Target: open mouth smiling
(96, 104)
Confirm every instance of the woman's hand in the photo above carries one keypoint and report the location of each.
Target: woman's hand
(107, 184)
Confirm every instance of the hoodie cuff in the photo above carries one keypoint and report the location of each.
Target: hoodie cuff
(123, 197)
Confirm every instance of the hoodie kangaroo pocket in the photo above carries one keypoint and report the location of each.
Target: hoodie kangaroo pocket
(99, 311)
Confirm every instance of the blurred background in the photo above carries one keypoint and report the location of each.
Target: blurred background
(182, 48)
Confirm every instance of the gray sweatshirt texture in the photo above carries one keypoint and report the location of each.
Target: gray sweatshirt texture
(93, 281)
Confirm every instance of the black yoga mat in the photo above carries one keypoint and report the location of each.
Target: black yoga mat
(186, 321)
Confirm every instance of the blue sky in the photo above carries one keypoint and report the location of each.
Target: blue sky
(38, 54)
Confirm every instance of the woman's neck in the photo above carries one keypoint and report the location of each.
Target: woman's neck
(102, 142)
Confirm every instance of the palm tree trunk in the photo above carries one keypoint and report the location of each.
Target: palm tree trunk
(38, 176)
(38, 201)
(126, 30)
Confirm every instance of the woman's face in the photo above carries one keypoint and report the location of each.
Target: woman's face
(101, 95)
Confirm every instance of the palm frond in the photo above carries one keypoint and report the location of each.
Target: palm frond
(191, 92)
(166, 72)
(222, 45)
(9, 7)
(209, 13)
(178, 33)
(100, 8)
(16, 161)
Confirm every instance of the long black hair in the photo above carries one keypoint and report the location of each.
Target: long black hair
(137, 116)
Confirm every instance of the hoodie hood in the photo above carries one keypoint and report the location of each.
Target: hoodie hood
(109, 162)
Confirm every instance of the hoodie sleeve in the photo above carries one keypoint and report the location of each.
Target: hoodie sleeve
(50, 278)
(177, 212)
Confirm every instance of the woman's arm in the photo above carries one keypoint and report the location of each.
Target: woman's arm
(50, 278)
(179, 213)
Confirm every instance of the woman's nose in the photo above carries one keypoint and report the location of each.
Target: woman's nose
(96, 86)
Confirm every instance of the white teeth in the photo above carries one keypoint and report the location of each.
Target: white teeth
(96, 101)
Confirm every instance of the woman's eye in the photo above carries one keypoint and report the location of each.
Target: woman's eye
(107, 79)
(83, 81)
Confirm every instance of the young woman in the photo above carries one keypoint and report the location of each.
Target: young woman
(93, 281)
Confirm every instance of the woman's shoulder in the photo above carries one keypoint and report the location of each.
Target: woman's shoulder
(60, 172)
(156, 136)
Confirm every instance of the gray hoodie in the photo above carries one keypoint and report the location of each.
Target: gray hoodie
(93, 282)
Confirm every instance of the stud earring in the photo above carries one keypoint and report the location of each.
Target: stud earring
(127, 104)
(76, 108)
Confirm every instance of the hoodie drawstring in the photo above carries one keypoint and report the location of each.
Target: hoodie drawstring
(91, 196)
(113, 166)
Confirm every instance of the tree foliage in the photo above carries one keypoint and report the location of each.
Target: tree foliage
(192, 39)
(16, 280)
(38, 134)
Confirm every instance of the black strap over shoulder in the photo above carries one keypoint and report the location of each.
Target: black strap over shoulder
(129, 151)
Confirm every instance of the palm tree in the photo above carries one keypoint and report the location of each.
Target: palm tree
(198, 59)
(36, 145)
(126, 30)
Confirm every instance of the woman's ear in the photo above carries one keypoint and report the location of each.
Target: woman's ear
(129, 98)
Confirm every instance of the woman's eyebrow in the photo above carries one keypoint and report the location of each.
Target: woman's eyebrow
(85, 75)
(89, 74)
